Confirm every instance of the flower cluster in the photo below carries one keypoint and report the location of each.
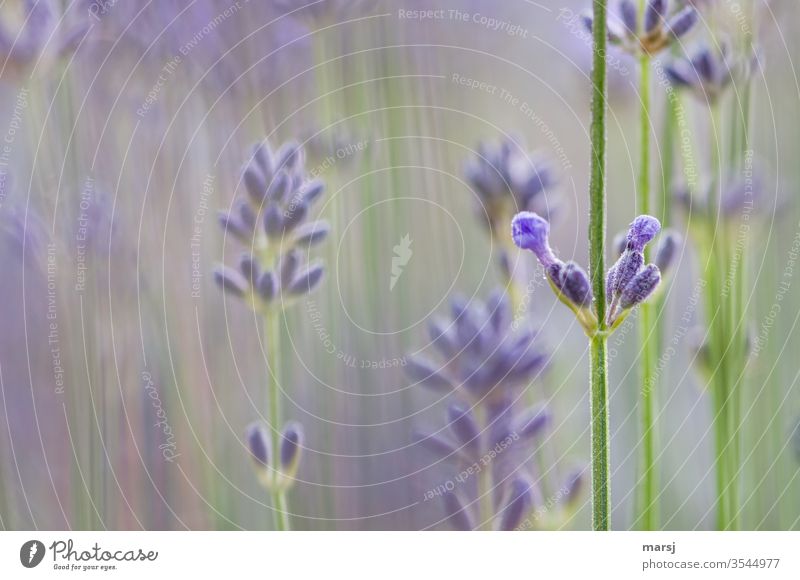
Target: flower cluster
(484, 363)
(659, 28)
(628, 282)
(272, 222)
(708, 73)
(278, 476)
(506, 181)
(482, 357)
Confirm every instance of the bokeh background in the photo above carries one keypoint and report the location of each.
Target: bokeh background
(124, 128)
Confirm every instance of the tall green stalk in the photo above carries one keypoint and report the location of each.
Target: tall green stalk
(601, 488)
(648, 477)
(280, 504)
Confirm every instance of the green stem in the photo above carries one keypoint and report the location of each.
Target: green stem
(601, 488)
(648, 495)
(273, 333)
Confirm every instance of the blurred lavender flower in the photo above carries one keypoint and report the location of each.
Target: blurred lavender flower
(325, 12)
(739, 194)
(507, 181)
(272, 222)
(485, 362)
(280, 476)
(36, 34)
(628, 282)
(708, 73)
(662, 25)
(482, 357)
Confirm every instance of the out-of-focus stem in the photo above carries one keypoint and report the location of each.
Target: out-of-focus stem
(272, 323)
(601, 488)
(648, 476)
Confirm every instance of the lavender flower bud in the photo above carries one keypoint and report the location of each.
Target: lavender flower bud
(248, 266)
(654, 14)
(705, 66)
(533, 421)
(291, 447)
(289, 156)
(573, 484)
(464, 427)
(267, 286)
(277, 188)
(505, 264)
(312, 233)
(629, 15)
(287, 267)
(640, 287)
(682, 22)
(499, 310)
(258, 443)
(574, 284)
(625, 270)
(273, 221)
(248, 218)
(295, 215)
(232, 225)
(262, 157)
(437, 446)
(312, 190)
(457, 513)
(427, 373)
(307, 280)
(642, 230)
(517, 504)
(230, 281)
(532, 232)
(666, 250)
(255, 184)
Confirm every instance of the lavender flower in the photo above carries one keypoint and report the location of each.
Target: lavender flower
(739, 195)
(707, 74)
(517, 504)
(278, 477)
(628, 282)
(272, 221)
(482, 357)
(507, 181)
(663, 25)
(666, 250)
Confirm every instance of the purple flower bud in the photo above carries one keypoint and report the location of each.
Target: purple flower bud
(574, 284)
(640, 287)
(427, 373)
(278, 187)
(258, 443)
(533, 421)
(682, 22)
(291, 447)
(307, 280)
(499, 310)
(441, 338)
(295, 215)
(625, 270)
(267, 286)
(677, 78)
(262, 157)
(287, 267)
(457, 513)
(232, 225)
(230, 281)
(255, 184)
(654, 14)
(666, 250)
(642, 230)
(704, 65)
(247, 216)
(248, 266)
(629, 15)
(289, 156)
(531, 232)
(437, 446)
(517, 504)
(312, 233)
(312, 190)
(464, 427)
(273, 221)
